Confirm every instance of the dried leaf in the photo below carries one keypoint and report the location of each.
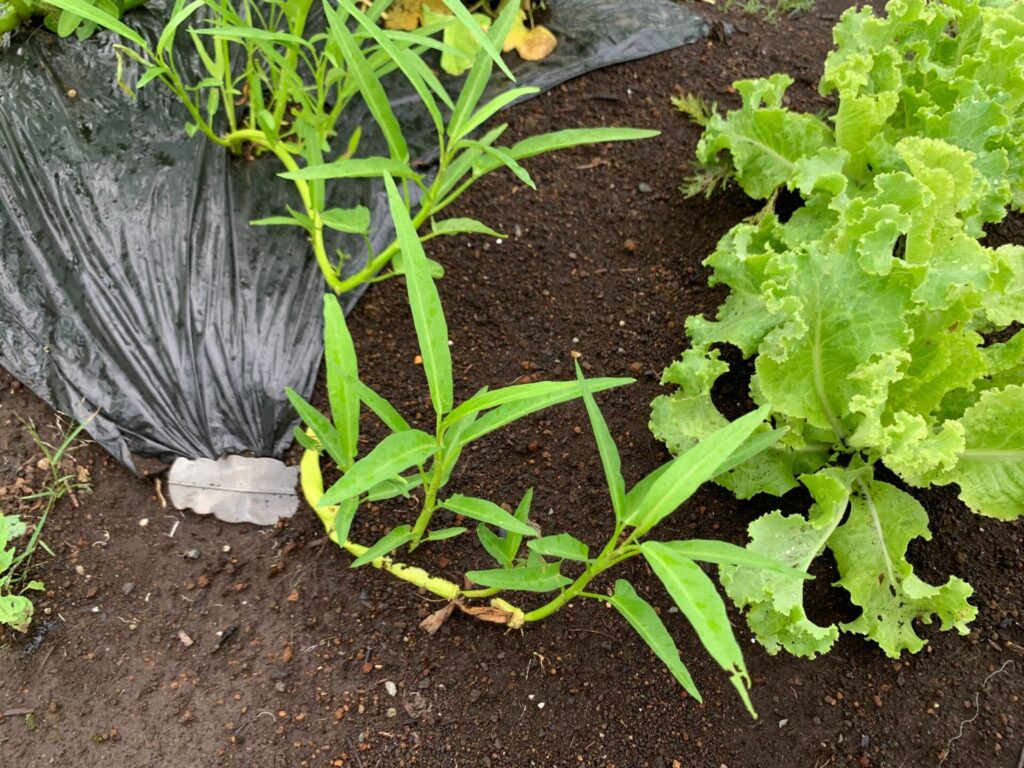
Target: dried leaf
(434, 621)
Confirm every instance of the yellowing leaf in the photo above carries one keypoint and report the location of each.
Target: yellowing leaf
(534, 44)
(406, 15)
(531, 44)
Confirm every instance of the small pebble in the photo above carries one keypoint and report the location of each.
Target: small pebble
(644, 187)
(392, 711)
(127, 589)
(143, 522)
(391, 688)
(280, 687)
(192, 554)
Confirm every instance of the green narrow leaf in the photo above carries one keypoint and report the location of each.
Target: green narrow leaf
(342, 375)
(493, 545)
(343, 519)
(688, 471)
(643, 618)
(695, 594)
(531, 578)
(503, 156)
(305, 440)
(406, 61)
(521, 406)
(178, 15)
(571, 137)
(562, 546)
(399, 485)
(392, 540)
(452, 443)
(382, 408)
(355, 221)
(98, 17)
(152, 73)
(283, 221)
(393, 455)
(491, 47)
(373, 93)
(427, 314)
(353, 168)
(444, 533)
(724, 553)
(606, 447)
(322, 428)
(492, 107)
(514, 540)
(485, 511)
(479, 75)
(67, 23)
(460, 226)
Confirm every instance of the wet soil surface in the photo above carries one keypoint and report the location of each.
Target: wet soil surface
(167, 639)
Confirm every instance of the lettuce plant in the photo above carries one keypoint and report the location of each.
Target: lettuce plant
(274, 82)
(883, 332)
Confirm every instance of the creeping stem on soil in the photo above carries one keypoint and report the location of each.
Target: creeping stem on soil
(313, 490)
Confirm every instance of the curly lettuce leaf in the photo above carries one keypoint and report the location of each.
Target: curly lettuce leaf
(869, 314)
(775, 602)
(870, 550)
(990, 470)
(763, 139)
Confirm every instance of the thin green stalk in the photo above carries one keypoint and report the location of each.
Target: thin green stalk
(432, 486)
(280, 150)
(603, 562)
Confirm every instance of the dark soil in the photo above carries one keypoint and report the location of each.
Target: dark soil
(596, 264)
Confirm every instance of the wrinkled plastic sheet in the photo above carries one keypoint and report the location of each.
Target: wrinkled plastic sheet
(134, 293)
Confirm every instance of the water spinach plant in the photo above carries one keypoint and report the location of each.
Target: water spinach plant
(410, 459)
(277, 80)
(883, 332)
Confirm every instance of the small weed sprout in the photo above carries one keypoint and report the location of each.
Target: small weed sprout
(15, 608)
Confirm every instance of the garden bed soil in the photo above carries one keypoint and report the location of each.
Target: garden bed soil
(191, 642)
